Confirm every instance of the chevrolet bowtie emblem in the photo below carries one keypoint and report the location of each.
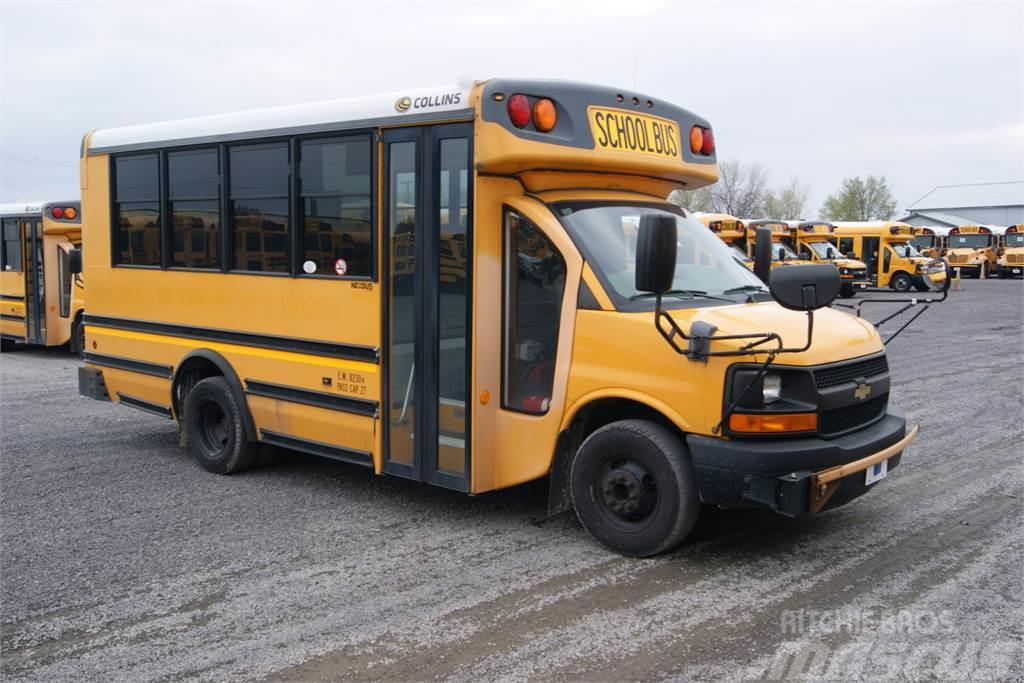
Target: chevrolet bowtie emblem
(862, 391)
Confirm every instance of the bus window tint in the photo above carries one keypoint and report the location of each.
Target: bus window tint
(137, 210)
(11, 245)
(336, 206)
(194, 184)
(534, 282)
(969, 241)
(259, 207)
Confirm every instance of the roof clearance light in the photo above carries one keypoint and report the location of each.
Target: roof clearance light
(696, 139)
(70, 213)
(708, 147)
(518, 110)
(545, 116)
(57, 212)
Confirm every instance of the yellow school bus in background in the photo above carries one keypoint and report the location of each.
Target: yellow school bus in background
(730, 230)
(930, 240)
(972, 249)
(816, 241)
(535, 347)
(40, 302)
(782, 253)
(1010, 262)
(887, 250)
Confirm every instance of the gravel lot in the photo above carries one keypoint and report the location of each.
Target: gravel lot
(121, 559)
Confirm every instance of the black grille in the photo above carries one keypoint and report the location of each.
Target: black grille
(833, 422)
(831, 377)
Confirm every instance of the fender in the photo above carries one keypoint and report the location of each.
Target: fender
(620, 392)
(229, 374)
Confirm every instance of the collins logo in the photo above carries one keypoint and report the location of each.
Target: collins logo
(862, 391)
(403, 104)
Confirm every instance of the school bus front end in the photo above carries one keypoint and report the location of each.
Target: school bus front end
(816, 239)
(495, 333)
(971, 249)
(1011, 255)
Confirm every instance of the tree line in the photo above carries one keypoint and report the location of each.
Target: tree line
(742, 191)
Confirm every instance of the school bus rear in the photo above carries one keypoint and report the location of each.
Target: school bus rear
(534, 358)
(730, 230)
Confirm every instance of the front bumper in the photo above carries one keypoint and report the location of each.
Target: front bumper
(796, 476)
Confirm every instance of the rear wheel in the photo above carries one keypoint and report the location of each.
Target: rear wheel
(847, 291)
(633, 488)
(216, 429)
(901, 282)
(78, 337)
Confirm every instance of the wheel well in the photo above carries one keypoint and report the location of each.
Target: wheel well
(187, 376)
(588, 420)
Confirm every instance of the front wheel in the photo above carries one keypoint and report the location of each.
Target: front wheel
(847, 291)
(901, 282)
(634, 489)
(216, 429)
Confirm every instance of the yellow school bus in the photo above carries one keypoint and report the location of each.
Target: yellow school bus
(815, 241)
(41, 302)
(1010, 261)
(886, 247)
(548, 354)
(782, 253)
(730, 230)
(972, 249)
(930, 240)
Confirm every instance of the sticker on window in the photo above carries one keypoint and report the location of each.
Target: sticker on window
(340, 267)
(309, 267)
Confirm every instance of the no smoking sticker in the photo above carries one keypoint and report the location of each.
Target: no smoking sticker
(340, 267)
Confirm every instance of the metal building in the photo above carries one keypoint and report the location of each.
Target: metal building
(979, 203)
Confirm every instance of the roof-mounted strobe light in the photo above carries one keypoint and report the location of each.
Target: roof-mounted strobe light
(518, 110)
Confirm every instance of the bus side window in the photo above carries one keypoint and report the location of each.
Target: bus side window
(534, 282)
(64, 282)
(886, 259)
(11, 256)
(845, 245)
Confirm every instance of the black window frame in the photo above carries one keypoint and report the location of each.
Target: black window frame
(301, 196)
(167, 204)
(226, 228)
(289, 199)
(3, 245)
(505, 263)
(115, 213)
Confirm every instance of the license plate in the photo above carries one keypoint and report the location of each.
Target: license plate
(876, 472)
(1016, 271)
(625, 131)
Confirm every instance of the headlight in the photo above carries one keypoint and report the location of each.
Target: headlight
(920, 267)
(772, 390)
(844, 271)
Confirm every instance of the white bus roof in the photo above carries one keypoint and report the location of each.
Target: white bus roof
(940, 230)
(21, 208)
(439, 103)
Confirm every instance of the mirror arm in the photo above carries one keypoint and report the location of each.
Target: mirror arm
(906, 324)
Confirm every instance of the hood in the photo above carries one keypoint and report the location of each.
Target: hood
(849, 263)
(837, 335)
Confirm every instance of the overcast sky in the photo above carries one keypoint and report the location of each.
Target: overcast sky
(925, 94)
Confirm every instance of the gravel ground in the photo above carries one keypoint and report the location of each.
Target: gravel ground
(121, 559)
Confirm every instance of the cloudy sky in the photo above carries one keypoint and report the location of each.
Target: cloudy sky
(925, 94)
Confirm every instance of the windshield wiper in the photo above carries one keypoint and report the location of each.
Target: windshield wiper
(682, 293)
(745, 288)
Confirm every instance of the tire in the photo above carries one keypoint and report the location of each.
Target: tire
(920, 286)
(6, 345)
(78, 337)
(901, 282)
(633, 488)
(847, 291)
(216, 429)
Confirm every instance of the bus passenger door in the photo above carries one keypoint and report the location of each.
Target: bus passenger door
(428, 242)
(35, 288)
(869, 252)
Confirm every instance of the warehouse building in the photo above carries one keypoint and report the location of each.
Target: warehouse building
(979, 203)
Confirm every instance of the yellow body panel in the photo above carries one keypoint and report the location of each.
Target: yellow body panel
(889, 234)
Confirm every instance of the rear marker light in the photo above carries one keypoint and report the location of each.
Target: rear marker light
(545, 116)
(57, 212)
(708, 148)
(518, 110)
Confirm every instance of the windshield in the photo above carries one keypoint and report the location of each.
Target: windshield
(740, 254)
(606, 233)
(1015, 239)
(923, 241)
(973, 241)
(824, 250)
(905, 250)
(778, 249)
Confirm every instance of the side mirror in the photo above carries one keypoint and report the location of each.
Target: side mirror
(807, 288)
(763, 254)
(936, 275)
(75, 261)
(656, 252)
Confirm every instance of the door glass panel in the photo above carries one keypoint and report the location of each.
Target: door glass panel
(35, 312)
(453, 302)
(402, 185)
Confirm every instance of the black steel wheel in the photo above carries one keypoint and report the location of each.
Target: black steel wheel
(633, 488)
(216, 429)
(901, 282)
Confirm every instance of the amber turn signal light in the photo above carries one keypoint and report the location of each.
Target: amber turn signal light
(696, 139)
(70, 212)
(544, 115)
(773, 423)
